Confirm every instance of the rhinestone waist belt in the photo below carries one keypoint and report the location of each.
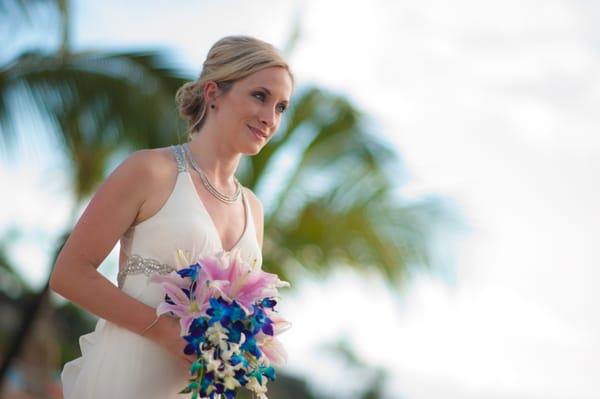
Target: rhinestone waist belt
(138, 265)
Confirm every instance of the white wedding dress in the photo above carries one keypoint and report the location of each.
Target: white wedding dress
(119, 364)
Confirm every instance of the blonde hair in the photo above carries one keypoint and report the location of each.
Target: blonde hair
(229, 59)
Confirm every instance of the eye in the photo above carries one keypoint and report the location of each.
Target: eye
(281, 108)
(260, 95)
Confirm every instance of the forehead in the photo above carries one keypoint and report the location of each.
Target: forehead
(275, 79)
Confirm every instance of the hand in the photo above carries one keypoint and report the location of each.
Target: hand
(166, 333)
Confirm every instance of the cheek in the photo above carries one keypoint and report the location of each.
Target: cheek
(235, 114)
(244, 109)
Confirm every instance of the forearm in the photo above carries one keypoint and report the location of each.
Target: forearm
(95, 293)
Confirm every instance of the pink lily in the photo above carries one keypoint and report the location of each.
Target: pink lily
(185, 308)
(240, 281)
(273, 351)
(279, 323)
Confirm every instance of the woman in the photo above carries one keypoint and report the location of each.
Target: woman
(163, 200)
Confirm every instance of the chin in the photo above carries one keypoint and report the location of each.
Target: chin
(254, 150)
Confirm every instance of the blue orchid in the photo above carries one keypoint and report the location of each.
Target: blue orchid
(196, 336)
(268, 303)
(251, 347)
(224, 312)
(266, 371)
(240, 375)
(235, 331)
(237, 359)
(191, 271)
(260, 322)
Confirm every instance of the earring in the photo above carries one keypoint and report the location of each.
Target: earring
(212, 106)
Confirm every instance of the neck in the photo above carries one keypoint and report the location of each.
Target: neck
(215, 157)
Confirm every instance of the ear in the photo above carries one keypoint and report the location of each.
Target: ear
(211, 92)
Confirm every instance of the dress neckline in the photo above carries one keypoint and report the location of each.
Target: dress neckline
(211, 221)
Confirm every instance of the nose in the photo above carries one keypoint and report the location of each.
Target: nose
(268, 117)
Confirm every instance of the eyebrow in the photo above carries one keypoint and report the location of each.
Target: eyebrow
(269, 93)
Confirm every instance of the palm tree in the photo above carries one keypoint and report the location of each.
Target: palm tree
(334, 202)
(95, 104)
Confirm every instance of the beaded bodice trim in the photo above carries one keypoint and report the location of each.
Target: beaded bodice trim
(138, 265)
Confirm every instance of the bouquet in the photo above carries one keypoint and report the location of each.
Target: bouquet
(227, 314)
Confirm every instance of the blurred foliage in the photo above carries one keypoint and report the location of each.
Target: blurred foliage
(72, 322)
(376, 377)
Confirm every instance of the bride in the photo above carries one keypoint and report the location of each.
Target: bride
(159, 201)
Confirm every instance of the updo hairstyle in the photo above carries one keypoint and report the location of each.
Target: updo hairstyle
(229, 59)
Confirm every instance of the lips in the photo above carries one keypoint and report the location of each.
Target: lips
(257, 132)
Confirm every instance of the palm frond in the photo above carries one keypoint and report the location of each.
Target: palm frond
(97, 103)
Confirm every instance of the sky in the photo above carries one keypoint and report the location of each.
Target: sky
(492, 104)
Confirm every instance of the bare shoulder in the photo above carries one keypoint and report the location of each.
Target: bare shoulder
(151, 163)
(147, 170)
(154, 172)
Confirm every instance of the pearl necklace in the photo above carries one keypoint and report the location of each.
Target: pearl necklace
(211, 189)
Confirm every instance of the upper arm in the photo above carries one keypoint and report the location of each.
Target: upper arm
(111, 211)
(258, 213)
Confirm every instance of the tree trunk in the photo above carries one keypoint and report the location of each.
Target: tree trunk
(30, 314)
